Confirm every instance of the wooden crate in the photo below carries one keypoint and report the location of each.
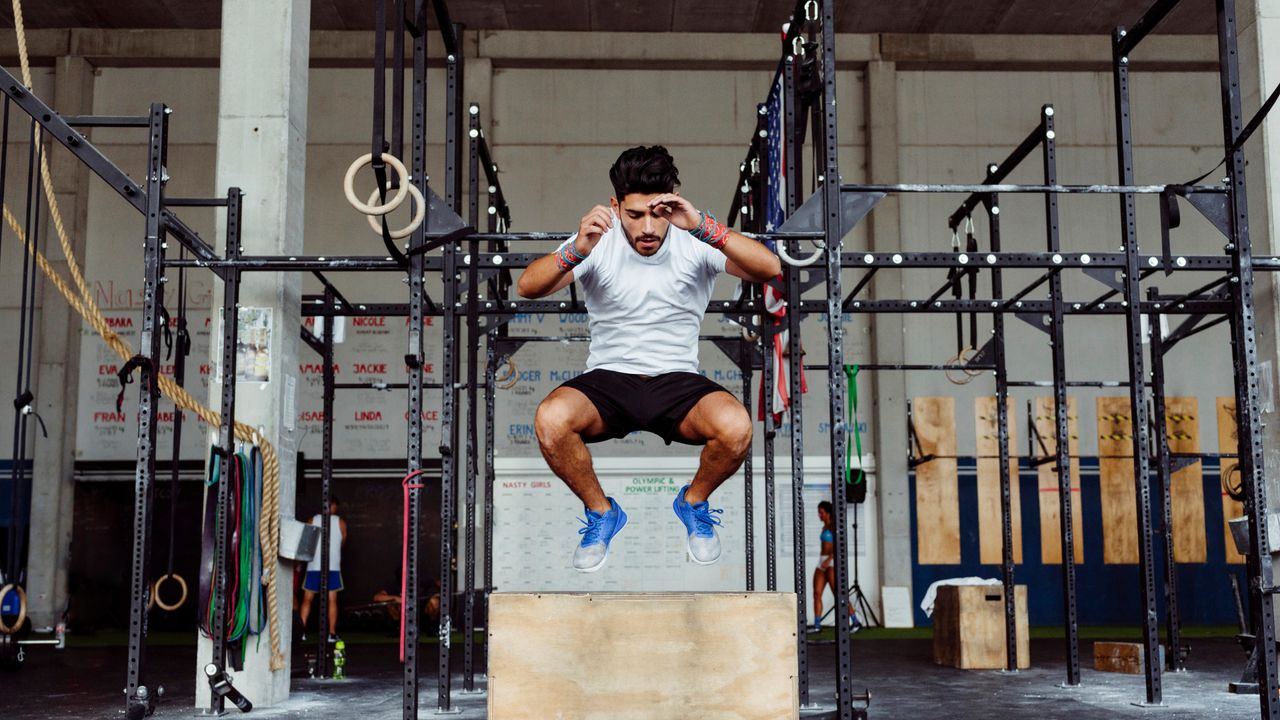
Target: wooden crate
(642, 656)
(968, 627)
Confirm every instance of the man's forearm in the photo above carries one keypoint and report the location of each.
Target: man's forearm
(540, 278)
(752, 256)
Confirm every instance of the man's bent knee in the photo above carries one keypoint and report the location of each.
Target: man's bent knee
(735, 432)
(552, 422)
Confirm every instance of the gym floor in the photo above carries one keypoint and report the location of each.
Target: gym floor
(84, 682)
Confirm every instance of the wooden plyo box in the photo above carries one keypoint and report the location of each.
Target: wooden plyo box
(968, 627)
(642, 656)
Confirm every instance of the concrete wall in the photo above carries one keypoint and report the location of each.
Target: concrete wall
(556, 127)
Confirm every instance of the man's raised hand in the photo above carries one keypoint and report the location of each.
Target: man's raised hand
(677, 210)
(594, 225)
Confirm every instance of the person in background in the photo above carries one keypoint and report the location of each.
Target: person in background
(825, 573)
(431, 610)
(311, 584)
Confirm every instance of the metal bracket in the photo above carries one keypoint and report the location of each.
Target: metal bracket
(1034, 435)
(1178, 462)
(1108, 276)
(731, 346)
(915, 456)
(854, 206)
(1039, 321)
(1215, 208)
(985, 356)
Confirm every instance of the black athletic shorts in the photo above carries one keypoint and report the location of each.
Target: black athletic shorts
(655, 403)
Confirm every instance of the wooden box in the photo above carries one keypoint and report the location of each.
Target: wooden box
(642, 656)
(968, 627)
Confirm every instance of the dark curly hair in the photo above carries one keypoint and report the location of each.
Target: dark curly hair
(647, 170)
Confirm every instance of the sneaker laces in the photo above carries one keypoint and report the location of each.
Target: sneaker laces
(594, 526)
(704, 518)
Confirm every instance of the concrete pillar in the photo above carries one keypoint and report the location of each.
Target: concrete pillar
(262, 140)
(892, 495)
(1259, 23)
(55, 380)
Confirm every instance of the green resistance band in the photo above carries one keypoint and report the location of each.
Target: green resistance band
(851, 382)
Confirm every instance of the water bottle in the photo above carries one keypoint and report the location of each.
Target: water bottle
(340, 660)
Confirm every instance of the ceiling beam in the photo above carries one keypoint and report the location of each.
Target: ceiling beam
(516, 48)
(1043, 52)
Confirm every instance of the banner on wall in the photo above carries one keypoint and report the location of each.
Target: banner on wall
(372, 423)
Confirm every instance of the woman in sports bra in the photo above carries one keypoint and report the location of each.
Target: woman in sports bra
(825, 573)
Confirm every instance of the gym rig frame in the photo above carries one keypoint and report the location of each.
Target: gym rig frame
(1231, 297)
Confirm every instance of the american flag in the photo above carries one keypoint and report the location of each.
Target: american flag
(775, 214)
(775, 195)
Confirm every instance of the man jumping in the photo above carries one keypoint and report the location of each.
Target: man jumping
(646, 265)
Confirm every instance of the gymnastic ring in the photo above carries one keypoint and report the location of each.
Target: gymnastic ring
(960, 359)
(803, 262)
(348, 185)
(972, 353)
(413, 225)
(509, 380)
(1237, 493)
(22, 608)
(155, 592)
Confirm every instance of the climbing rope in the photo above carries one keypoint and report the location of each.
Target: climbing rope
(87, 308)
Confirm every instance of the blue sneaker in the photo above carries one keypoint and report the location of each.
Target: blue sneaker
(699, 524)
(600, 528)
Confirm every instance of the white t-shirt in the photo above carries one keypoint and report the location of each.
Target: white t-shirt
(646, 313)
(335, 545)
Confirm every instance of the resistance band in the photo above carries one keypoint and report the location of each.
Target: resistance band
(246, 613)
(859, 486)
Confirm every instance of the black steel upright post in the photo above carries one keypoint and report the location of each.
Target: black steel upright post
(767, 379)
(795, 368)
(454, 67)
(473, 351)
(226, 442)
(1245, 365)
(473, 404)
(498, 290)
(138, 696)
(1061, 410)
(414, 360)
(1164, 471)
(746, 363)
(449, 370)
(326, 479)
(833, 233)
(1002, 442)
(1137, 376)
(473, 165)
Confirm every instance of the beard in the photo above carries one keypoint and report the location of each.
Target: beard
(645, 244)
